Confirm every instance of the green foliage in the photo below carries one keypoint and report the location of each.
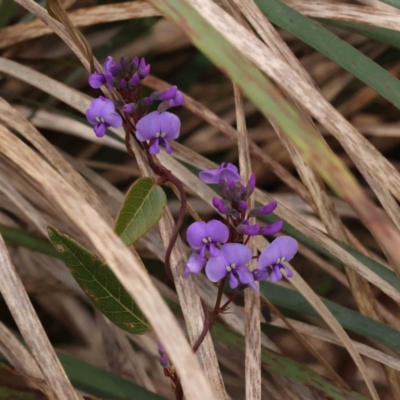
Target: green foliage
(101, 383)
(142, 209)
(286, 367)
(327, 43)
(100, 284)
(349, 319)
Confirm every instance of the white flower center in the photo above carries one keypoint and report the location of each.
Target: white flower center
(280, 260)
(207, 240)
(158, 134)
(162, 134)
(229, 268)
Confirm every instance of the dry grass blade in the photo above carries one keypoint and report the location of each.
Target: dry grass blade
(318, 107)
(31, 329)
(126, 267)
(12, 118)
(80, 18)
(347, 12)
(251, 299)
(325, 335)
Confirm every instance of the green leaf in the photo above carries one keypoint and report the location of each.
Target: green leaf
(384, 35)
(287, 367)
(101, 383)
(7, 10)
(100, 284)
(143, 207)
(349, 319)
(327, 43)
(9, 393)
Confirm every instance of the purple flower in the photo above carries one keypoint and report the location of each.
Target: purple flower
(274, 257)
(202, 236)
(163, 356)
(101, 113)
(158, 127)
(264, 210)
(144, 69)
(97, 80)
(252, 182)
(219, 205)
(227, 172)
(195, 264)
(246, 229)
(232, 260)
(271, 229)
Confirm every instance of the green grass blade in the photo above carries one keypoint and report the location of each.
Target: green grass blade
(101, 383)
(7, 10)
(287, 367)
(349, 319)
(100, 284)
(384, 35)
(327, 43)
(143, 207)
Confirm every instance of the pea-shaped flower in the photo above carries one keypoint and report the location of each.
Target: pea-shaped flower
(231, 260)
(202, 236)
(274, 258)
(227, 172)
(101, 113)
(158, 128)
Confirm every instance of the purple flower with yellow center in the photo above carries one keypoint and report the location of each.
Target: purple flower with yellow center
(274, 258)
(101, 113)
(195, 264)
(226, 172)
(204, 236)
(232, 261)
(158, 127)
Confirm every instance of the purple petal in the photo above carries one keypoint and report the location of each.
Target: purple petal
(142, 63)
(155, 147)
(177, 100)
(195, 234)
(135, 80)
(168, 94)
(146, 101)
(214, 250)
(113, 119)
(148, 126)
(97, 80)
(195, 264)
(100, 130)
(289, 273)
(230, 174)
(250, 230)
(216, 268)
(276, 274)
(107, 64)
(272, 228)
(268, 208)
(236, 253)
(252, 182)
(283, 246)
(170, 124)
(233, 281)
(219, 205)
(242, 206)
(246, 277)
(91, 113)
(168, 147)
(145, 71)
(217, 231)
(210, 176)
(106, 107)
(260, 274)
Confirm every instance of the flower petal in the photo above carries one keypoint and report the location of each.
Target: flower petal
(216, 268)
(100, 130)
(276, 274)
(271, 229)
(195, 234)
(217, 230)
(148, 126)
(97, 80)
(236, 253)
(195, 264)
(283, 246)
(155, 147)
(168, 148)
(246, 277)
(210, 176)
(260, 274)
(233, 281)
(114, 120)
(170, 124)
(214, 250)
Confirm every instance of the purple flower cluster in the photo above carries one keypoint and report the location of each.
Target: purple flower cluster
(221, 248)
(126, 76)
